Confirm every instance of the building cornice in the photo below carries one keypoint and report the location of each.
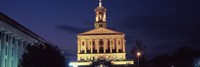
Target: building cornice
(18, 26)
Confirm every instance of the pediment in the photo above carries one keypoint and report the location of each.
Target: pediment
(101, 31)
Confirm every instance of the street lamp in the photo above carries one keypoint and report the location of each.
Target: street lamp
(138, 54)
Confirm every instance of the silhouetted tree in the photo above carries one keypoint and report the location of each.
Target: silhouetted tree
(184, 57)
(139, 47)
(42, 55)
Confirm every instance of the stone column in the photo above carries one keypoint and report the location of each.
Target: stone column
(3, 40)
(104, 45)
(111, 46)
(85, 45)
(4, 49)
(16, 53)
(78, 45)
(21, 48)
(9, 57)
(97, 45)
(124, 43)
(117, 45)
(91, 46)
(7, 51)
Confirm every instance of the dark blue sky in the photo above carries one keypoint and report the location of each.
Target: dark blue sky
(163, 25)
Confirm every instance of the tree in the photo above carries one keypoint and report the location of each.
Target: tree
(185, 56)
(139, 47)
(42, 55)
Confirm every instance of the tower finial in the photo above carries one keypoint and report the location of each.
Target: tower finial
(100, 3)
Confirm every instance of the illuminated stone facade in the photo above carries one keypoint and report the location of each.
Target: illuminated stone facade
(13, 39)
(101, 43)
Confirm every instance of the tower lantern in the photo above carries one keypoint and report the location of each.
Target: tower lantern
(100, 20)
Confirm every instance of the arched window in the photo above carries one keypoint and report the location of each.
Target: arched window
(82, 43)
(119, 42)
(101, 43)
(108, 43)
(93, 44)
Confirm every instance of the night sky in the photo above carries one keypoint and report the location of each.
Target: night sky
(163, 25)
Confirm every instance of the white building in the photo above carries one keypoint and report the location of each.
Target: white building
(197, 62)
(13, 39)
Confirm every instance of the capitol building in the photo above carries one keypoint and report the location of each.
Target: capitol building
(13, 39)
(101, 47)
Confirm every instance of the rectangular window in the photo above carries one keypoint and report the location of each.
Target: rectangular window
(13, 40)
(19, 42)
(6, 37)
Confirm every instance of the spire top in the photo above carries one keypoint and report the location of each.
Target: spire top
(100, 3)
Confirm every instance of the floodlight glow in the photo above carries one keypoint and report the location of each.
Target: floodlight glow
(73, 65)
(138, 53)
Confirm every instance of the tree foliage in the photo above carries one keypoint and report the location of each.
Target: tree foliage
(139, 47)
(183, 57)
(42, 55)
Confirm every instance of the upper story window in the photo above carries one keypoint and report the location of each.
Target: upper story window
(19, 43)
(93, 44)
(119, 42)
(101, 43)
(82, 43)
(7, 38)
(108, 43)
(13, 40)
